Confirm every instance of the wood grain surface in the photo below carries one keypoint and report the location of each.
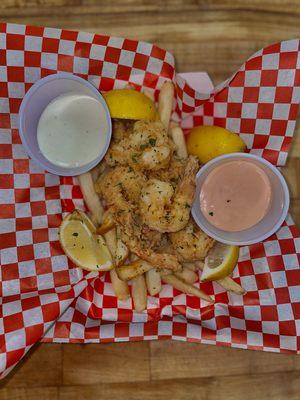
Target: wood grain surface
(205, 35)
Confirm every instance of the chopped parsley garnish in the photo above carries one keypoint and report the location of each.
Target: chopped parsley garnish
(133, 157)
(119, 184)
(152, 142)
(75, 233)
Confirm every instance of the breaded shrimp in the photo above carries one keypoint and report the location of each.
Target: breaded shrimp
(164, 208)
(139, 245)
(120, 188)
(190, 243)
(121, 128)
(146, 148)
(172, 174)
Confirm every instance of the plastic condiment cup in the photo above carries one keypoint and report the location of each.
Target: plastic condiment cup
(36, 100)
(272, 220)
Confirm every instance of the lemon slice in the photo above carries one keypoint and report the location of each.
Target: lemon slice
(81, 244)
(208, 142)
(78, 215)
(130, 104)
(220, 262)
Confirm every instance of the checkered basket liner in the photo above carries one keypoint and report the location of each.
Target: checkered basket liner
(43, 296)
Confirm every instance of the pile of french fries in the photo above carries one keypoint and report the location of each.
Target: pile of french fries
(144, 277)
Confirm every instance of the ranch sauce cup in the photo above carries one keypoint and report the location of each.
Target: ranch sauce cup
(65, 125)
(240, 199)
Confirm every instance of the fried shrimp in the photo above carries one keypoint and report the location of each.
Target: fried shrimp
(121, 128)
(133, 237)
(147, 148)
(120, 188)
(171, 174)
(165, 208)
(190, 243)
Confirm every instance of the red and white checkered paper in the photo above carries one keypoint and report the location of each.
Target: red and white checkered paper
(44, 296)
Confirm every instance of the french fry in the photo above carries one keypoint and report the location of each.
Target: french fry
(231, 285)
(173, 124)
(121, 288)
(227, 283)
(96, 171)
(111, 241)
(132, 270)
(107, 223)
(179, 141)
(139, 293)
(153, 281)
(165, 103)
(149, 94)
(184, 287)
(122, 251)
(187, 275)
(90, 197)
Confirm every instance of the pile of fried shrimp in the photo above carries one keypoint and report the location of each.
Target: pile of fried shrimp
(140, 198)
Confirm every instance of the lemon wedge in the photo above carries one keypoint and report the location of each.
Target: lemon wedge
(78, 215)
(130, 104)
(208, 142)
(82, 245)
(220, 262)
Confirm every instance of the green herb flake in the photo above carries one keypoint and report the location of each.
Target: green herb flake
(152, 142)
(75, 233)
(133, 157)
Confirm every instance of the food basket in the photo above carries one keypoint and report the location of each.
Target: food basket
(44, 297)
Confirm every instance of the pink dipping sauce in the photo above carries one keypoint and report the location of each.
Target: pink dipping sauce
(235, 196)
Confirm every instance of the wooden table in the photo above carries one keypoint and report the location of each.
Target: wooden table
(214, 36)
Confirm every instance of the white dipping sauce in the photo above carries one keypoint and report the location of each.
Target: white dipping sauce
(71, 130)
